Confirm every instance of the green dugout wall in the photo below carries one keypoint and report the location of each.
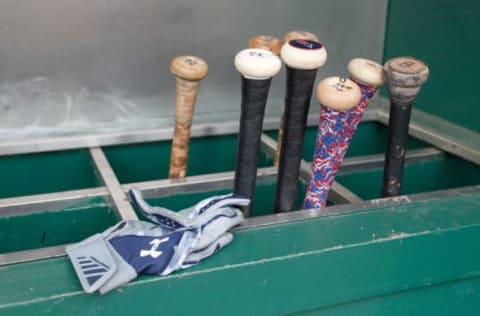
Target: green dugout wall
(444, 33)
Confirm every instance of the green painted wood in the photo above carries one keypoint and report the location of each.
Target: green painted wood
(45, 229)
(443, 33)
(46, 172)
(263, 203)
(442, 172)
(370, 138)
(414, 259)
(452, 298)
(150, 161)
(280, 269)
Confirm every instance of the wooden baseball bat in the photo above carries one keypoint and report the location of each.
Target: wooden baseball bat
(188, 70)
(302, 59)
(257, 67)
(368, 75)
(300, 34)
(292, 35)
(337, 96)
(404, 77)
(268, 42)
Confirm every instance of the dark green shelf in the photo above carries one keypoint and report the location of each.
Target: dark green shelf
(46, 172)
(45, 229)
(262, 205)
(370, 138)
(150, 161)
(442, 172)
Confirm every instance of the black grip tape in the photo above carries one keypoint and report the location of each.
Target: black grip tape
(254, 99)
(297, 103)
(398, 123)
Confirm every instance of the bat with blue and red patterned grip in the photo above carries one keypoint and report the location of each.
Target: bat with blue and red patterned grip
(337, 128)
(337, 96)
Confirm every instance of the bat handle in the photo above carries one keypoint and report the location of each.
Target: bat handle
(278, 149)
(254, 100)
(292, 35)
(404, 77)
(302, 59)
(189, 70)
(297, 103)
(337, 97)
(274, 45)
(257, 67)
(368, 75)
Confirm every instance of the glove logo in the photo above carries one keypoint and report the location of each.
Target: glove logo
(92, 268)
(152, 252)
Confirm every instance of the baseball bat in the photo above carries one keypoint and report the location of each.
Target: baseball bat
(404, 77)
(299, 34)
(257, 67)
(188, 70)
(292, 35)
(368, 75)
(268, 42)
(337, 96)
(302, 59)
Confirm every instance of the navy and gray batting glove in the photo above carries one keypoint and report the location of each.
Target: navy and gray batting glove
(115, 257)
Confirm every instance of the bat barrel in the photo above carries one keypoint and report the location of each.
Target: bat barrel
(404, 77)
(257, 67)
(302, 59)
(189, 70)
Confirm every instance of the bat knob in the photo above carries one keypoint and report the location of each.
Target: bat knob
(303, 54)
(270, 43)
(257, 63)
(404, 77)
(366, 71)
(189, 68)
(297, 34)
(338, 93)
(405, 72)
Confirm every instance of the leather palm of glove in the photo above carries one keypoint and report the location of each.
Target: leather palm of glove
(115, 257)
